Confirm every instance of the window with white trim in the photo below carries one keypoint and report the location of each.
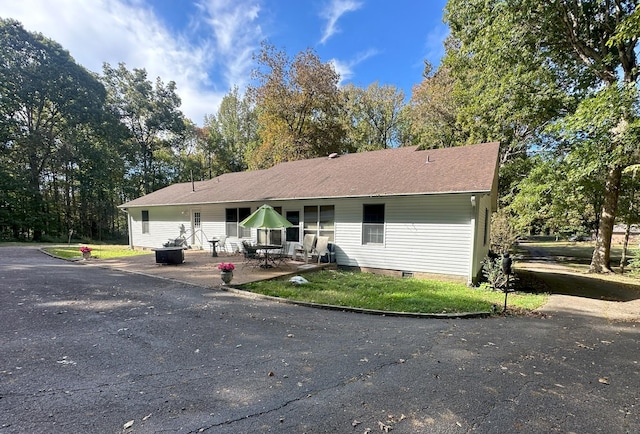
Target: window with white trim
(320, 221)
(145, 221)
(293, 232)
(373, 223)
(233, 216)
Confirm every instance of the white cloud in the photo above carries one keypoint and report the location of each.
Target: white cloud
(345, 68)
(116, 31)
(434, 43)
(332, 14)
(237, 34)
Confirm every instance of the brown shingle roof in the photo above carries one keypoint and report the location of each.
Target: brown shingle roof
(388, 172)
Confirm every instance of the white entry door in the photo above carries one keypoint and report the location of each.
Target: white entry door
(196, 228)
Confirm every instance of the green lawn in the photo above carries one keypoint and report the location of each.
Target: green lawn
(101, 251)
(579, 251)
(577, 255)
(370, 291)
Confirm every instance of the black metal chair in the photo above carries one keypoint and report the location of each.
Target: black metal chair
(251, 255)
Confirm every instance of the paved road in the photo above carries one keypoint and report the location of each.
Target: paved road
(86, 350)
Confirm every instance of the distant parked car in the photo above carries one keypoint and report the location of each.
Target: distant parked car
(578, 238)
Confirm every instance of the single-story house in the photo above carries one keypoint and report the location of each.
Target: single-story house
(409, 211)
(619, 231)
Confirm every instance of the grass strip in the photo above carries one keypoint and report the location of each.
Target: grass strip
(101, 251)
(371, 291)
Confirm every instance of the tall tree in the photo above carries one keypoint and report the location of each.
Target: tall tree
(43, 94)
(503, 88)
(526, 50)
(372, 116)
(592, 39)
(604, 133)
(630, 206)
(433, 111)
(298, 104)
(152, 115)
(236, 132)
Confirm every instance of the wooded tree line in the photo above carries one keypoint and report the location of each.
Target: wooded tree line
(554, 82)
(75, 145)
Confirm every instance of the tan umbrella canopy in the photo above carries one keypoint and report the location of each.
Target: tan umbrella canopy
(265, 217)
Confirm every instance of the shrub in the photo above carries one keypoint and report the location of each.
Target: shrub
(492, 271)
(503, 235)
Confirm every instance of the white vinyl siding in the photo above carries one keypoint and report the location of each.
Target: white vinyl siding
(164, 223)
(429, 234)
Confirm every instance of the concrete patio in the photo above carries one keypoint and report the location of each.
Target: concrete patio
(200, 268)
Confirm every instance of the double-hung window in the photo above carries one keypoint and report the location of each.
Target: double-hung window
(293, 232)
(145, 221)
(373, 224)
(233, 216)
(320, 221)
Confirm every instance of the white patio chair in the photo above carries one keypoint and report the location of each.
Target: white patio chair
(322, 248)
(306, 250)
(222, 241)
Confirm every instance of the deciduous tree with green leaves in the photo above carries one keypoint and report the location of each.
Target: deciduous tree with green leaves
(591, 39)
(151, 113)
(298, 106)
(503, 89)
(232, 133)
(372, 116)
(44, 94)
(433, 111)
(516, 56)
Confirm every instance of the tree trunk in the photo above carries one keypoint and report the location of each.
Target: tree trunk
(625, 245)
(630, 216)
(601, 259)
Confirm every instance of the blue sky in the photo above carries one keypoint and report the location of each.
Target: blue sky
(206, 46)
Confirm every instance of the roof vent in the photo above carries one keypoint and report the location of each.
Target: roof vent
(428, 159)
(333, 155)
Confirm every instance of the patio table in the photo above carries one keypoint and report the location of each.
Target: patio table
(266, 248)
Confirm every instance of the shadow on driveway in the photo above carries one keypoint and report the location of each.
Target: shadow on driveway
(613, 297)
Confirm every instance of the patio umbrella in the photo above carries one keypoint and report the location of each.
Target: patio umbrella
(265, 217)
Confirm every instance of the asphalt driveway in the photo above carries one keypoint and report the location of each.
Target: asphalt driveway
(86, 349)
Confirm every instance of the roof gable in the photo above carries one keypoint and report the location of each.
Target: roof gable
(388, 172)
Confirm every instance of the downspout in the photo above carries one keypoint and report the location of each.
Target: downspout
(130, 234)
(474, 236)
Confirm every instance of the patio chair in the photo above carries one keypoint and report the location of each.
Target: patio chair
(222, 240)
(251, 255)
(322, 248)
(308, 243)
(279, 257)
(235, 249)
